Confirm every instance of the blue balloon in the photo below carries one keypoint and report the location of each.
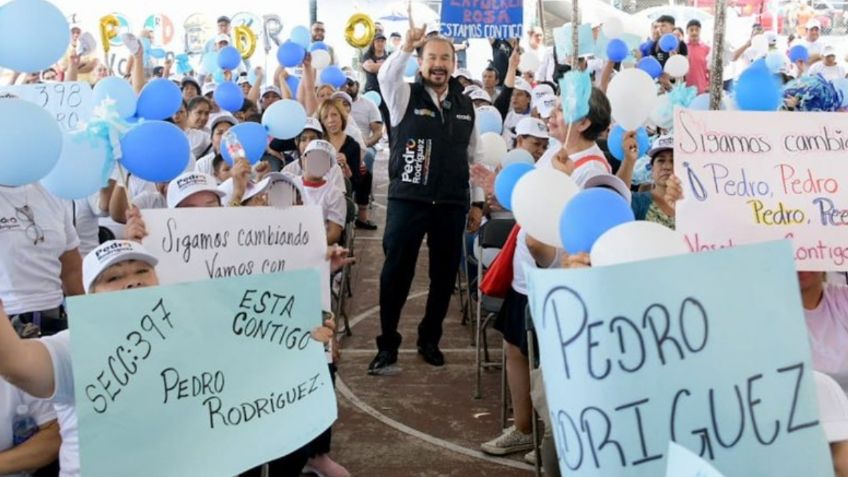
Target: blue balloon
(669, 43)
(218, 76)
(374, 97)
(253, 137)
(333, 75)
(411, 67)
(120, 91)
(229, 58)
(588, 215)
(301, 36)
(229, 96)
(31, 139)
(293, 82)
(700, 103)
(155, 151)
(251, 77)
(209, 62)
(758, 90)
(506, 180)
(799, 53)
(160, 99)
(616, 137)
(290, 54)
(518, 156)
(34, 35)
(650, 65)
(81, 169)
(284, 119)
(617, 50)
(318, 45)
(489, 120)
(158, 53)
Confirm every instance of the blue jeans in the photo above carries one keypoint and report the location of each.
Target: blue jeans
(370, 154)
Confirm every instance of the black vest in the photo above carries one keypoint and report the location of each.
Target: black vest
(429, 151)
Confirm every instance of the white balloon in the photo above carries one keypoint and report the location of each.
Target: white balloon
(538, 200)
(636, 241)
(320, 59)
(493, 147)
(529, 62)
(613, 27)
(632, 95)
(662, 114)
(677, 66)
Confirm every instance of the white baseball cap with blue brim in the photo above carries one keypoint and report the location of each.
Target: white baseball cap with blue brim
(109, 253)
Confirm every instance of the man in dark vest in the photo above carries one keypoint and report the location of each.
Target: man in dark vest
(433, 142)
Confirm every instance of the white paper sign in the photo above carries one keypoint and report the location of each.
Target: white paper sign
(754, 177)
(70, 101)
(201, 243)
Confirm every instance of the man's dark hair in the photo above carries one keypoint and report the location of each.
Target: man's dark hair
(247, 105)
(223, 19)
(693, 22)
(599, 115)
(493, 70)
(666, 19)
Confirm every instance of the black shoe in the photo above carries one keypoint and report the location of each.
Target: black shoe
(431, 354)
(365, 225)
(382, 362)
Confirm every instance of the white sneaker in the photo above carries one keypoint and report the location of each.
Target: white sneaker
(509, 442)
(530, 457)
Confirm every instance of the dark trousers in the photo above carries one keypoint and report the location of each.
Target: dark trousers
(407, 223)
(286, 466)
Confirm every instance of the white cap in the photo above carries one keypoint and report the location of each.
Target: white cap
(488, 108)
(189, 183)
(833, 408)
(320, 146)
(542, 89)
(433, 28)
(462, 73)
(242, 80)
(545, 105)
(532, 127)
(595, 178)
(208, 88)
(468, 89)
(283, 189)
(343, 96)
(271, 89)
(222, 37)
(813, 23)
(313, 124)
(252, 190)
(662, 143)
(523, 85)
(480, 95)
(110, 253)
(771, 37)
(828, 50)
(223, 118)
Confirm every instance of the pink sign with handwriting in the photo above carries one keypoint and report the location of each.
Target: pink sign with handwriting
(753, 177)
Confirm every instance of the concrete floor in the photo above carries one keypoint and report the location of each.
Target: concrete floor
(423, 421)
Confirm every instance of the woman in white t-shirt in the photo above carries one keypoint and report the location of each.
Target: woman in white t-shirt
(199, 137)
(318, 158)
(41, 448)
(39, 258)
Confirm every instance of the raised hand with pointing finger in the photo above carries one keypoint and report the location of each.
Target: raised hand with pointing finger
(415, 37)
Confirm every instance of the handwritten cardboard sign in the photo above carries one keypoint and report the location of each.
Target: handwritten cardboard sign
(684, 463)
(206, 378)
(71, 102)
(707, 350)
(203, 243)
(482, 18)
(752, 177)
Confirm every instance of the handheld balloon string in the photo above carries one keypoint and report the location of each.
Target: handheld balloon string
(125, 178)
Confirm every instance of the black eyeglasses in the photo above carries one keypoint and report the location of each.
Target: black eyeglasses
(33, 231)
